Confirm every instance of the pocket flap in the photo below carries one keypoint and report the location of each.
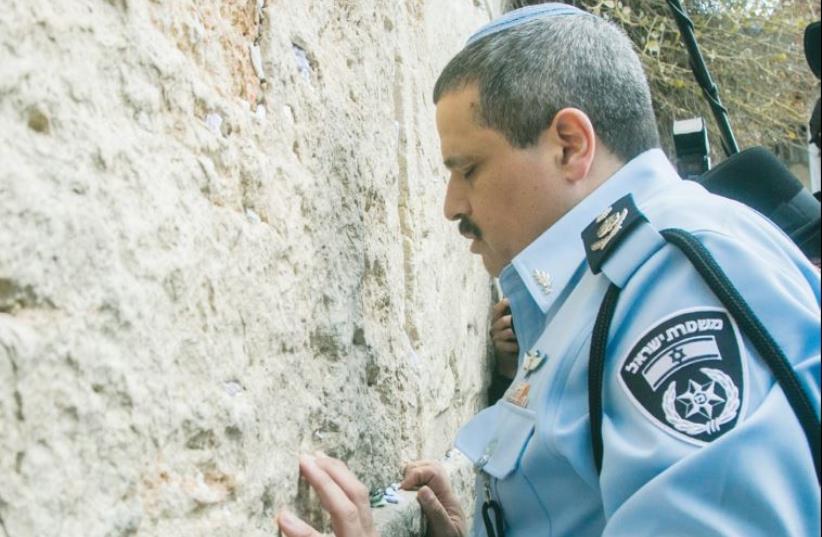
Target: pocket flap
(496, 438)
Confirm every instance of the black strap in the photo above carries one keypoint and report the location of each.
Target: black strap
(759, 336)
(495, 527)
(596, 369)
(750, 325)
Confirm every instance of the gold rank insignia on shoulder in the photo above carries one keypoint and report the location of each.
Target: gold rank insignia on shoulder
(605, 234)
(608, 229)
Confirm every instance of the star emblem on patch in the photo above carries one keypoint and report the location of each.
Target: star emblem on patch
(700, 399)
(678, 355)
(686, 374)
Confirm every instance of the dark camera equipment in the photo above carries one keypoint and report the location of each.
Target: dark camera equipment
(693, 154)
(758, 179)
(754, 176)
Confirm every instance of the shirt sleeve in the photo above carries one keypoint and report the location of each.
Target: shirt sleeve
(698, 438)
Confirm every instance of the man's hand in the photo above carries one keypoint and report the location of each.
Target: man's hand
(340, 493)
(505, 341)
(440, 505)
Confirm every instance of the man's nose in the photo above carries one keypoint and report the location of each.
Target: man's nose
(456, 205)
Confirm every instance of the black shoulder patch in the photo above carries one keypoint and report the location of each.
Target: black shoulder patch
(603, 235)
(686, 374)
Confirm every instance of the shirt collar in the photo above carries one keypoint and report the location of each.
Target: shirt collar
(547, 265)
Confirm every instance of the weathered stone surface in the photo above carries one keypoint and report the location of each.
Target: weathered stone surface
(204, 274)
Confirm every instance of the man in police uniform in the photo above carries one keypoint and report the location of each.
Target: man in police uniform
(548, 132)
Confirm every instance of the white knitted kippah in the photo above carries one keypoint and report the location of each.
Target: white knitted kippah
(523, 15)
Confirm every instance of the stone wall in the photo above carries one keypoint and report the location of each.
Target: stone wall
(222, 245)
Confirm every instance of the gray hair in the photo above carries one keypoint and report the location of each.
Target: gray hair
(528, 73)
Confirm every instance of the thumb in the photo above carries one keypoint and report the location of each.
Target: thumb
(439, 522)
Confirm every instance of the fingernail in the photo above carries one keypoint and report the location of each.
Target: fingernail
(321, 455)
(308, 460)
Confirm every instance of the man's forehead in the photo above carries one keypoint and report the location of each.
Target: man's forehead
(464, 100)
(458, 125)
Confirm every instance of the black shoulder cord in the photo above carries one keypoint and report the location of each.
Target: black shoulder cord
(750, 325)
(596, 369)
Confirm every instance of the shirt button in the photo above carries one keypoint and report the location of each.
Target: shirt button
(481, 462)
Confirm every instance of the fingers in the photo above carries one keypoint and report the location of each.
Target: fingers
(345, 516)
(503, 337)
(417, 464)
(412, 477)
(432, 475)
(499, 309)
(439, 521)
(507, 347)
(501, 323)
(350, 485)
(441, 506)
(503, 330)
(506, 335)
(291, 526)
(426, 473)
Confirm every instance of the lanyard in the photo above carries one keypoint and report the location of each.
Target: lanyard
(494, 527)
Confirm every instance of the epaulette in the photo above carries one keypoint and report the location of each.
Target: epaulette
(603, 236)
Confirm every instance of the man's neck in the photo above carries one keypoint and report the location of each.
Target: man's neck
(604, 165)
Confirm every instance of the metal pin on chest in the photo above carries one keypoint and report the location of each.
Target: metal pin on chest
(533, 361)
(518, 395)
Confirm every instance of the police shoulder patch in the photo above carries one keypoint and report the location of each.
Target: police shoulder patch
(687, 374)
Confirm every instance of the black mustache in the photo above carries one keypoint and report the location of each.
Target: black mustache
(467, 227)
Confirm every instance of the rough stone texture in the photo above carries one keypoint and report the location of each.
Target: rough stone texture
(221, 245)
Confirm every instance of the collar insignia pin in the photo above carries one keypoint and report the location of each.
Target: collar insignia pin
(544, 280)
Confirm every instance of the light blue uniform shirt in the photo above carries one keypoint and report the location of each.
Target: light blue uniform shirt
(756, 479)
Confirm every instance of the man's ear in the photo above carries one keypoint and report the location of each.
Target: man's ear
(575, 136)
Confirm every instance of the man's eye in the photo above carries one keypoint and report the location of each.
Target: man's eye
(469, 172)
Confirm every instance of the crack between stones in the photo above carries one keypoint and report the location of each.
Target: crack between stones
(18, 399)
(405, 216)
(260, 21)
(3, 527)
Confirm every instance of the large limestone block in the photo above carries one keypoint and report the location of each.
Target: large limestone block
(221, 245)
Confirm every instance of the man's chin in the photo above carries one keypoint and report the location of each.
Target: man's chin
(491, 265)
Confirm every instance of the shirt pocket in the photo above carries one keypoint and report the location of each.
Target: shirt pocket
(496, 439)
(516, 427)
